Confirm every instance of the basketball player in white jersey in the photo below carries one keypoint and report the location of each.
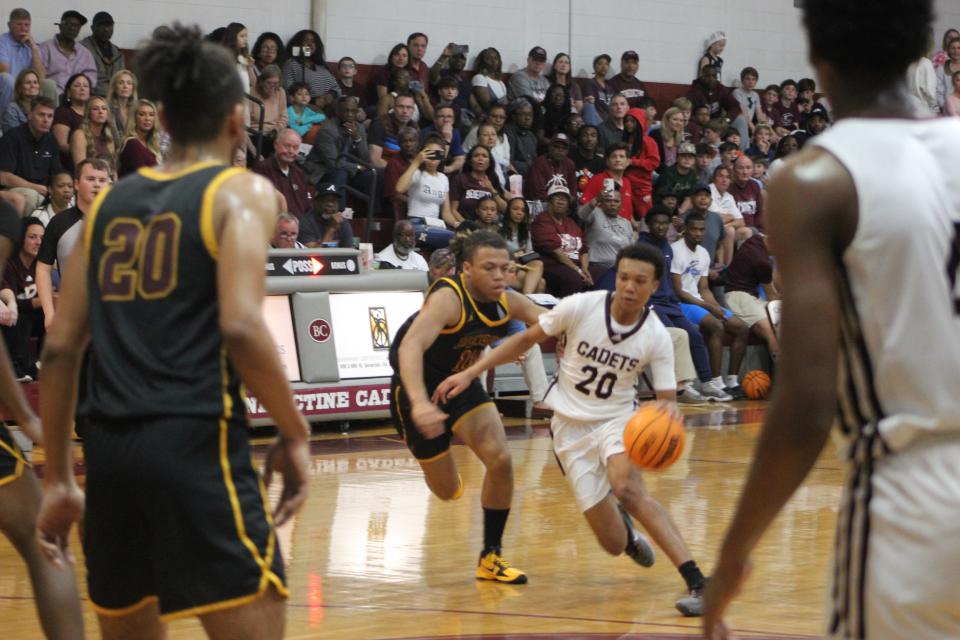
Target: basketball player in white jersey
(608, 340)
(864, 223)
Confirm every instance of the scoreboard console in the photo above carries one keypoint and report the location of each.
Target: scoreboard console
(333, 320)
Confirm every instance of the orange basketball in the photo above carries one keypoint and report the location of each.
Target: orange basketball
(756, 384)
(653, 438)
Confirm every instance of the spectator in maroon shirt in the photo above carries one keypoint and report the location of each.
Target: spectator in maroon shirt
(20, 278)
(477, 180)
(287, 177)
(626, 81)
(141, 148)
(748, 193)
(561, 245)
(399, 58)
(396, 166)
(786, 113)
(417, 48)
(549, 168)
(707, 90)
(750, 270)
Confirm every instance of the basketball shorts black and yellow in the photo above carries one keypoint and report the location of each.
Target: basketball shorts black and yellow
(458, 409)
(176, 514)
(12, 460)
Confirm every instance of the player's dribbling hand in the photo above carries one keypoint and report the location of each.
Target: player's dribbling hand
(290, 458)
(453, 386)
(428, 419)
(723, 587)
(61, 506)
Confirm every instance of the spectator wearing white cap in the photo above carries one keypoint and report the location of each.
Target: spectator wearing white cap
(714, 45)
(560, 242)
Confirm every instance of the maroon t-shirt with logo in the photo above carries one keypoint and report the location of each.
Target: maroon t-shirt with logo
(749, 199)
(466, 190)
(786, 117)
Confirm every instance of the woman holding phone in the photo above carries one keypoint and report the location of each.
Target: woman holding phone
(428, 196)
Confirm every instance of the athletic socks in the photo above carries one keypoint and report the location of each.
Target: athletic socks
(494, 522)
(691, 574)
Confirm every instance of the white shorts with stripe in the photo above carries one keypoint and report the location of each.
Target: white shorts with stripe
(582, 449)
(898, 546)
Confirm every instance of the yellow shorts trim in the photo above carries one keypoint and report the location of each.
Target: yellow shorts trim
(21, 464)
(270, 578)
(436, 457)
(468, 414)
(125, 611)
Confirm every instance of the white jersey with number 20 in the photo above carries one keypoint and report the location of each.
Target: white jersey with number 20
(599, 368)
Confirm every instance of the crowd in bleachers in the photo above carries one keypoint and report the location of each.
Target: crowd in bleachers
(568, 169)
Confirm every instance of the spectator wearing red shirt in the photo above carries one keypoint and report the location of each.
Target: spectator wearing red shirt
(561, 244)
(547, 169)
(626, 81)
(617, 162)
(644, 160)
(748, 193)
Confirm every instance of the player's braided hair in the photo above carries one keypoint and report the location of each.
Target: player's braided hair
(196, 82)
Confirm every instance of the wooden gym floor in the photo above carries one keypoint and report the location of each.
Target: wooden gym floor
(374, 555)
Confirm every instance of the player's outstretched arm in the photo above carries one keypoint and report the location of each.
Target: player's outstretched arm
(508, 351)
(441, 309)
(245, 211)
(812, 218)
(63, 350)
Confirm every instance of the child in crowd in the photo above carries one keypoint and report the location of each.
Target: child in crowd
(301, 116)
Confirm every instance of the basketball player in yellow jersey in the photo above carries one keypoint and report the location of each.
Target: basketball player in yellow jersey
(865, 225)
(608, 340)
(167, 287)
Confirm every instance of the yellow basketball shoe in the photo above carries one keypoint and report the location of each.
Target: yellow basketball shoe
(493, 567)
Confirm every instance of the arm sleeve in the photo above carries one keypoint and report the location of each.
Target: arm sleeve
(48, 246)
(560, 318)
(661, 361)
